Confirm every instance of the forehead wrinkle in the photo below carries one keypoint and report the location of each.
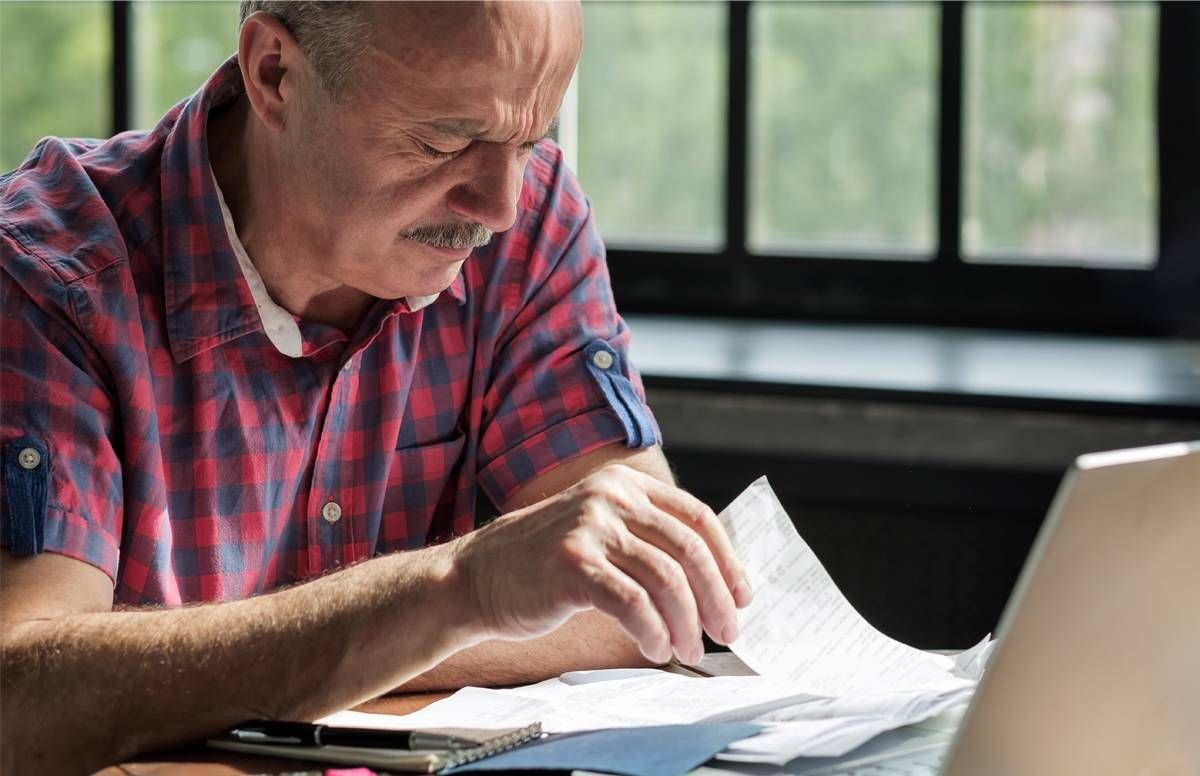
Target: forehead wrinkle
(491, 75)
(527, 47)
(513, 104)
(469, 129)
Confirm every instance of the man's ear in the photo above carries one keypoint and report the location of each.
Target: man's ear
(271, 64)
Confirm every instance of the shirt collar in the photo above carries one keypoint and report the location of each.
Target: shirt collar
(213, 292)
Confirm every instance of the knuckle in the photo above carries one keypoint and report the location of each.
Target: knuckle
(633, 598)
(621, 503)
(578, 552)
(572, 551)
(591, 517)
(622, 541)
(694, 550)
(590, 488)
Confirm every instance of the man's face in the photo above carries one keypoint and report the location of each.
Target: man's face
(422, 156)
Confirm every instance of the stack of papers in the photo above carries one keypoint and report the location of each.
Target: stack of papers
(828, 681)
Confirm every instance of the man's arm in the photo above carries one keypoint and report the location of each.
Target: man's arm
(588, 640)
(117, 683)
(84, 686)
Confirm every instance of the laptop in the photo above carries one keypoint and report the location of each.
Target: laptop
(1097, 667)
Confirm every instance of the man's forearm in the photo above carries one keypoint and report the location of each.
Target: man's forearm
(112, 684)
(586, 641)
(116, 683)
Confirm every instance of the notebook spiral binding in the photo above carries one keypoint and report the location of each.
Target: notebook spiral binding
(496, 745)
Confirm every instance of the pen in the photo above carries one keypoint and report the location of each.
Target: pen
(310, 734)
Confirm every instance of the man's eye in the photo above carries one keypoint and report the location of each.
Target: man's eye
(436, 153)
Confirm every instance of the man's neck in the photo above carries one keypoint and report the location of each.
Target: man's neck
(246, 168)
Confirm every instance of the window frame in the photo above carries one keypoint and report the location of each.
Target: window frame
(946, 290)
(737, 282)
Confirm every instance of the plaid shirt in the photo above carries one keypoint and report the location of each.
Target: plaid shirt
(152, 428)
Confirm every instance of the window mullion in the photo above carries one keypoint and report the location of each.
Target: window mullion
(122, 106)
(950, 124)
(738, 96)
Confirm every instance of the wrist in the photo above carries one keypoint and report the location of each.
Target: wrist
(454, 593)
(463, 556)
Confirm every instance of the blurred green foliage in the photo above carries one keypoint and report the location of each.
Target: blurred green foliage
(652, 120)
(843, 126)
(1059, 139)
(177, 47)
(57, 58)
(54, 74)
(1058, 135)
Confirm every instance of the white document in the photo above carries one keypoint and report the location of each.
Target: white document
(833, 729)
(594, 700)
(970, 663)
(829, 680)
(800, 627)
(796, 724)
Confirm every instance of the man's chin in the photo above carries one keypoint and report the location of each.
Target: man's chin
(431, 283)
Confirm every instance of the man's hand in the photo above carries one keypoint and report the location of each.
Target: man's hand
(649, 554)
(619, 540)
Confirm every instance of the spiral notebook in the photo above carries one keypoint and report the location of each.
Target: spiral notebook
(488, 742)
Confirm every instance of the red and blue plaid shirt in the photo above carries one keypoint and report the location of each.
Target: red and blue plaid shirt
(151, 428)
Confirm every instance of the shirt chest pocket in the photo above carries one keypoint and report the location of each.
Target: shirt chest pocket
(429, 494)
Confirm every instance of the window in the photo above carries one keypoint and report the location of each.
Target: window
(1010, 165)
(55, 75)
(660, 64)
(1060, 134)
(1006, 165)
(177, 46)
(842, 128)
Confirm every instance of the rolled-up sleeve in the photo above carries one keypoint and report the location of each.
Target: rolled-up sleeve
(61, 486)
(561, 383)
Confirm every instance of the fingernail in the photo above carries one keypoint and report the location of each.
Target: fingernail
(729, 633)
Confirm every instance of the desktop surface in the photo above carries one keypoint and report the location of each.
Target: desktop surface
(200, 761)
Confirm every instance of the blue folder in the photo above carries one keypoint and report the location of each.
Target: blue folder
(664, 750)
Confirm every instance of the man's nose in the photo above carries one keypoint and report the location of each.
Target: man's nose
(489, 190)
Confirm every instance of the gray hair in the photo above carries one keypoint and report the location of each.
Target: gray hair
(332, 34)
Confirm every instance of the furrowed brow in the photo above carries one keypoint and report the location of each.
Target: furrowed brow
(452, 128)
(470, 131)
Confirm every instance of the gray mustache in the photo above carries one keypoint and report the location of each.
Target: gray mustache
(454, 236)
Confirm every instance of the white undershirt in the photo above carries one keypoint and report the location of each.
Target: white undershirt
(280, 326)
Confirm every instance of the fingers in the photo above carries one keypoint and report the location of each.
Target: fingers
(669, 589)
(613, 592)
(658, 560)
(696, 515)
(689, 553)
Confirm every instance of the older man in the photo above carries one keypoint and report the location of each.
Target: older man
(261, 355)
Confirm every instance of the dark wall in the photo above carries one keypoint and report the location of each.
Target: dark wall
(928, 554)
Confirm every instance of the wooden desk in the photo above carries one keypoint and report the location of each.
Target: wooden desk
(200, 761)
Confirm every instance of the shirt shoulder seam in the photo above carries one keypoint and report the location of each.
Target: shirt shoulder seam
(31, 248)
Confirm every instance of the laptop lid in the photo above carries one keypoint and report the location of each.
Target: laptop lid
(1097, 670)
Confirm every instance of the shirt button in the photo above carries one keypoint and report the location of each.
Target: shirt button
(332, 512)
(602, 359)
(29, 458)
